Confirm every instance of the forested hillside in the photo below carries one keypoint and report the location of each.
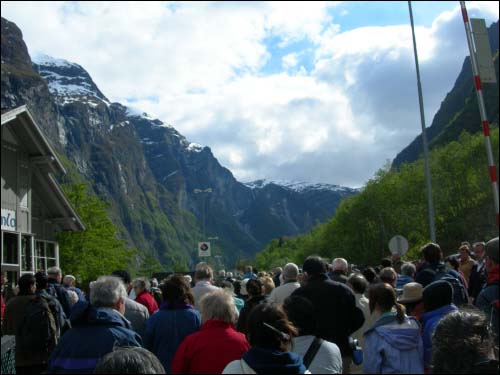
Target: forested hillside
(394, 202)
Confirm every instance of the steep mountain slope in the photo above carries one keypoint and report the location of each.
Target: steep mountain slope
(459, 110)
(165, 193)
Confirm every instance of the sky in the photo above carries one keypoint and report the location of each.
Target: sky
(300, 91)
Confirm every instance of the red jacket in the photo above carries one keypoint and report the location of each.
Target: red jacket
(209, 350)
(144, 298)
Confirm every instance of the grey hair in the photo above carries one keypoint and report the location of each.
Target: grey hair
(107, 291)
(129, 360)
(141, 283)
(290, 272)
(339, 264)
(465, 332)
(218, 305)
(54, 271)
(408, 269)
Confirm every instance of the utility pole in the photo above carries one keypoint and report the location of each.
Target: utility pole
(430, 204)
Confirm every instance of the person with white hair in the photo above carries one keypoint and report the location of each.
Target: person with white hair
(339, 270)
(98, 327)
(290, 274)
(69, 283)
(217, 343)
(141, 287)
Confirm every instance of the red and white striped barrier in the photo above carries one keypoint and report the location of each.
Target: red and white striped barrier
(482, 109)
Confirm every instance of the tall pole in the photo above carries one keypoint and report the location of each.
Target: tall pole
(430, 204)
(482, 109)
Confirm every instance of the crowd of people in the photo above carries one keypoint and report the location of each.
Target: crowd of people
(438, 315)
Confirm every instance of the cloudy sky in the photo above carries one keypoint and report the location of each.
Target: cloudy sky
(316, 91)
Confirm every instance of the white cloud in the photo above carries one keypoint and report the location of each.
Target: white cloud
(290, 61)
(198, 66)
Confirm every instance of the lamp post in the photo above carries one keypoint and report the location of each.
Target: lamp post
(430, 205)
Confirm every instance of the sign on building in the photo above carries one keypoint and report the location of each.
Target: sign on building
(204, 249)
(8, 220)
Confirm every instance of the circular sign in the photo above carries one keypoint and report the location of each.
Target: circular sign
(204, 249)
(398, 245)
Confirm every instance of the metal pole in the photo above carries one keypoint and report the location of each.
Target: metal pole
(430, 204)
(482, 109)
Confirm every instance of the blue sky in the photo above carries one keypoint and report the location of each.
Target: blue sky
(307, 91)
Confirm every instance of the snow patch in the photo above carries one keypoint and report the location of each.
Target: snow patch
(195, 147)
(42, 59)
(297, 186)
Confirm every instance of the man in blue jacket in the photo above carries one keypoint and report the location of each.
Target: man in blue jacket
(438, 301)
(98, 327)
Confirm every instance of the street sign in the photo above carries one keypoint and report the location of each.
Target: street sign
(204, 249)
(398, 245)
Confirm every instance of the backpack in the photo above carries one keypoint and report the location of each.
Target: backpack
(460, 296)
(36, 332)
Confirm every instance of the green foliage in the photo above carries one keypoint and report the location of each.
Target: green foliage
(97, 250)
(395, 202)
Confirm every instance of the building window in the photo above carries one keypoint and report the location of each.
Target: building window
(45, 255)
(26, 258)
(10, 248)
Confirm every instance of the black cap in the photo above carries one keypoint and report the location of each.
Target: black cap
(314, 265)
(437, 294)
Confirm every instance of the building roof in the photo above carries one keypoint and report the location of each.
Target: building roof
(21, 124)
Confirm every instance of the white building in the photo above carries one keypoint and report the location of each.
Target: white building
(34, 207)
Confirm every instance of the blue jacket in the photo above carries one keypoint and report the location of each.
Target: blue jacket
(166, 329)
(393, 348)
(402, 280)
(429, 322)
(96, 330)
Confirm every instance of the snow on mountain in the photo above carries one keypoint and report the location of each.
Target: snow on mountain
(298, 186)
(67, 81)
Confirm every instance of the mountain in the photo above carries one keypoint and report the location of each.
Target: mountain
(459, 110)
(165, 193)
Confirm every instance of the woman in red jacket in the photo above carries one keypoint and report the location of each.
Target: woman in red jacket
(217, 343)
(142, 296)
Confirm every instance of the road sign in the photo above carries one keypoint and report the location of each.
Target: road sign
(398, 245)
(204, 249)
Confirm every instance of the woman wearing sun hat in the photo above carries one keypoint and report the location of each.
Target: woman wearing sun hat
(412, 299)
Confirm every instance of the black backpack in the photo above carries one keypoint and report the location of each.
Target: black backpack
(460, 295)
(36, 332)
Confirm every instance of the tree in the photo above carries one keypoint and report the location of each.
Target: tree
(96, 251)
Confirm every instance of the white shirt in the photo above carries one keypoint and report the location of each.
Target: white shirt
(200, 289)
(328, 359)
(279, 294)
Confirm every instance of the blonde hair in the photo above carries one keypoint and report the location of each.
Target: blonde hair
(267, 284)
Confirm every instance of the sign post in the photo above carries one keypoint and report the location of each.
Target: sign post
(204, 249)
(398, 245)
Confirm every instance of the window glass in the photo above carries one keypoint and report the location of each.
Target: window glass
(10, 249)
(26, 262)
(50, 250)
